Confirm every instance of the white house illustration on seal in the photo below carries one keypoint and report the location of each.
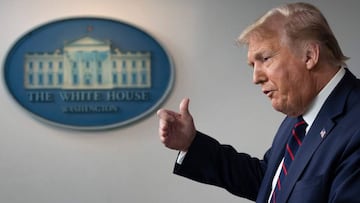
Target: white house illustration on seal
(87, 63)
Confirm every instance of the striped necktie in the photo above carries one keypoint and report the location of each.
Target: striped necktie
(294, 142)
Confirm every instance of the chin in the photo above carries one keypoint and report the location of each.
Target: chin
(277, 108)
(282, 110)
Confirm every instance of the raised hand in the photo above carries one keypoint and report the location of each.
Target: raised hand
(177, 130)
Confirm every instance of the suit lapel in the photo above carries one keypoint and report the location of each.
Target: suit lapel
(311, 142)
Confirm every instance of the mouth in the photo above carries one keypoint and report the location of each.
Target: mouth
(268, 93)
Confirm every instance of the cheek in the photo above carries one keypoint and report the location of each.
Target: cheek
(288, 89)
(287, 77)
(292, 89)
(281, 80)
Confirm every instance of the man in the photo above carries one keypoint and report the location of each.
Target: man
(300, 67)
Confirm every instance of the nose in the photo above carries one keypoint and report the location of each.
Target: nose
(259, 75)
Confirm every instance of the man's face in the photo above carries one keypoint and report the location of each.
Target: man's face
(282, 74)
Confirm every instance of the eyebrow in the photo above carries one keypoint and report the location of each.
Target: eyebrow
(259, 56)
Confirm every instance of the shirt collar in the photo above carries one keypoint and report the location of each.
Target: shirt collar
(310, 115)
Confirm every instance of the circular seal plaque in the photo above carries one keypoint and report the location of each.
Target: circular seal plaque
(88, 73)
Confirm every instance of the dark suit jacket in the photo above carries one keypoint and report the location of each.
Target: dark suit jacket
(326, 167)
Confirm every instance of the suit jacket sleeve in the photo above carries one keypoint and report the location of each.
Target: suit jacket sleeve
(209, 162)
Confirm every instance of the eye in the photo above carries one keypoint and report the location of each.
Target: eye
(266, 58)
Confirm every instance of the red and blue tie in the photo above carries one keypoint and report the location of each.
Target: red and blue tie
(294, 142)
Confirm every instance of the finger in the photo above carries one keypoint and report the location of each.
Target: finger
(163, 127)
(184, 107)
(163, 134)
(166, 115)
(163, 138)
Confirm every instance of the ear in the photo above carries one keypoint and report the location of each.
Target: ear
(312, 54)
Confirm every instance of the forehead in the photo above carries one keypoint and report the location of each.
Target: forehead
(259, 45)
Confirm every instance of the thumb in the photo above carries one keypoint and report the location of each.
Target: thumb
(184, 107)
